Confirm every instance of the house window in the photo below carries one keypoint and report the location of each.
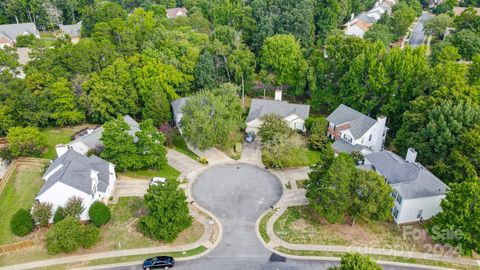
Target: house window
(395, 212)
(419, 214)
(370, 137)
(399, 199)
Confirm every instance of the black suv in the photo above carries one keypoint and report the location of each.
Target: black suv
(164, 262)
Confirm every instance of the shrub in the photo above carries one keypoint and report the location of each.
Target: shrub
(91, 235)
(42, 212)
(202, 160)
(273, 125)
(169, 132)
(25, 40)
(99, 214)
(69, 235)
(284, 151)
(316, 127)
(74, 207)
(21, 223)
(25, 142)
(356, 261)
(58, 216)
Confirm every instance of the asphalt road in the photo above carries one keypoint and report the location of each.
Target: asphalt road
(238, 195)
(418, 34)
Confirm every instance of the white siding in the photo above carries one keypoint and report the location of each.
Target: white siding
(254, 125)
(354, 30)
(410, 208)
(59, 193)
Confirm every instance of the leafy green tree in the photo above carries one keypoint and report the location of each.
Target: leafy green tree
(63, 104)
(402, 18)
(464, 161)
(111, 92)
(168, 213)
(25, 40)
(316, 129)
(212, 117)
(242, 63)
(355, 261)
(69, 235)
(370, 197)
(41, 213)
(9, 59)
(474, 70)
(28, 141)
(467, 42)
(102, 11)
(73, 207)
(150, 146)
(468, 20)
(99, 214)
(281, 55)
(433, 126)
(328, 190)
(436, 26)
(273, 125)
(275, 17)
(379, 32)
(336, 189)
(119, 147)
(444, 52)
(21, 223)
(459, 217)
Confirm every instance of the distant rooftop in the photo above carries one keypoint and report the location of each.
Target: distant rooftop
(73, 30)
(12, 31)
(262, 107)
(173, 13)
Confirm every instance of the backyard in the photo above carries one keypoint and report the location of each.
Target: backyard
(19, 192)
(301, 225)
(59, 136)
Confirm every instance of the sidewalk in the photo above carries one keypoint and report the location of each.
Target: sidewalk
(275, 241)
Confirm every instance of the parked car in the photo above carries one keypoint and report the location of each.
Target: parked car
(157, 180)
(164, 262)
(250, 136)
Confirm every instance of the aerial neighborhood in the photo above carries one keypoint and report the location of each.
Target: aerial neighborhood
(211, 133)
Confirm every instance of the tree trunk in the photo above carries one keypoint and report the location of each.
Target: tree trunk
(353, 221)
(16, 19)
(226, 68)
(243, 93)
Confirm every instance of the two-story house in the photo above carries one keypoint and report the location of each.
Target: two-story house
(73, 174)
(353, 131)
(417, 192)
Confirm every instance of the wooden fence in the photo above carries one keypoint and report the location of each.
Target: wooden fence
(8, 248)
(13, 166)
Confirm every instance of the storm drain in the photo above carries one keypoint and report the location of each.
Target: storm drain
(277, 258)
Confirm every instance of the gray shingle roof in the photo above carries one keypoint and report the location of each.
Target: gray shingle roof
(11, 31)
(93, 139)
(73, 30)
(261, 107)
(365, 18)
(341, 146)
(75, 172)
(359, 123)
(411, 179)
(178, 104)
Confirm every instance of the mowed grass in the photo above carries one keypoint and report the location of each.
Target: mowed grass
(301, 225)
(122, 233)
(19, 192)
(166, 172)
(56, 136)
(180, 145)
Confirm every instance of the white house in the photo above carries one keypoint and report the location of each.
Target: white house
(72, 30)
(294, 114)
(92, 140)
(173, 13)
(359, 25)
(355, 132)
(73, 174)
(417, 192)
(10, 32)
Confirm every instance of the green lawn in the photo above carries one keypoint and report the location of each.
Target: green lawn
(180, 145)
(121, 232)
(19, 192)
(313, 156)
(56, 136)
(301, 225)
(166, 172)
(262, 226)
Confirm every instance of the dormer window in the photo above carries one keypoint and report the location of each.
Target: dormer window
(370, 137)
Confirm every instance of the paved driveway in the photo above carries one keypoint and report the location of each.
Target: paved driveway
(130, 188)
(418, 34)
(252, 153)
